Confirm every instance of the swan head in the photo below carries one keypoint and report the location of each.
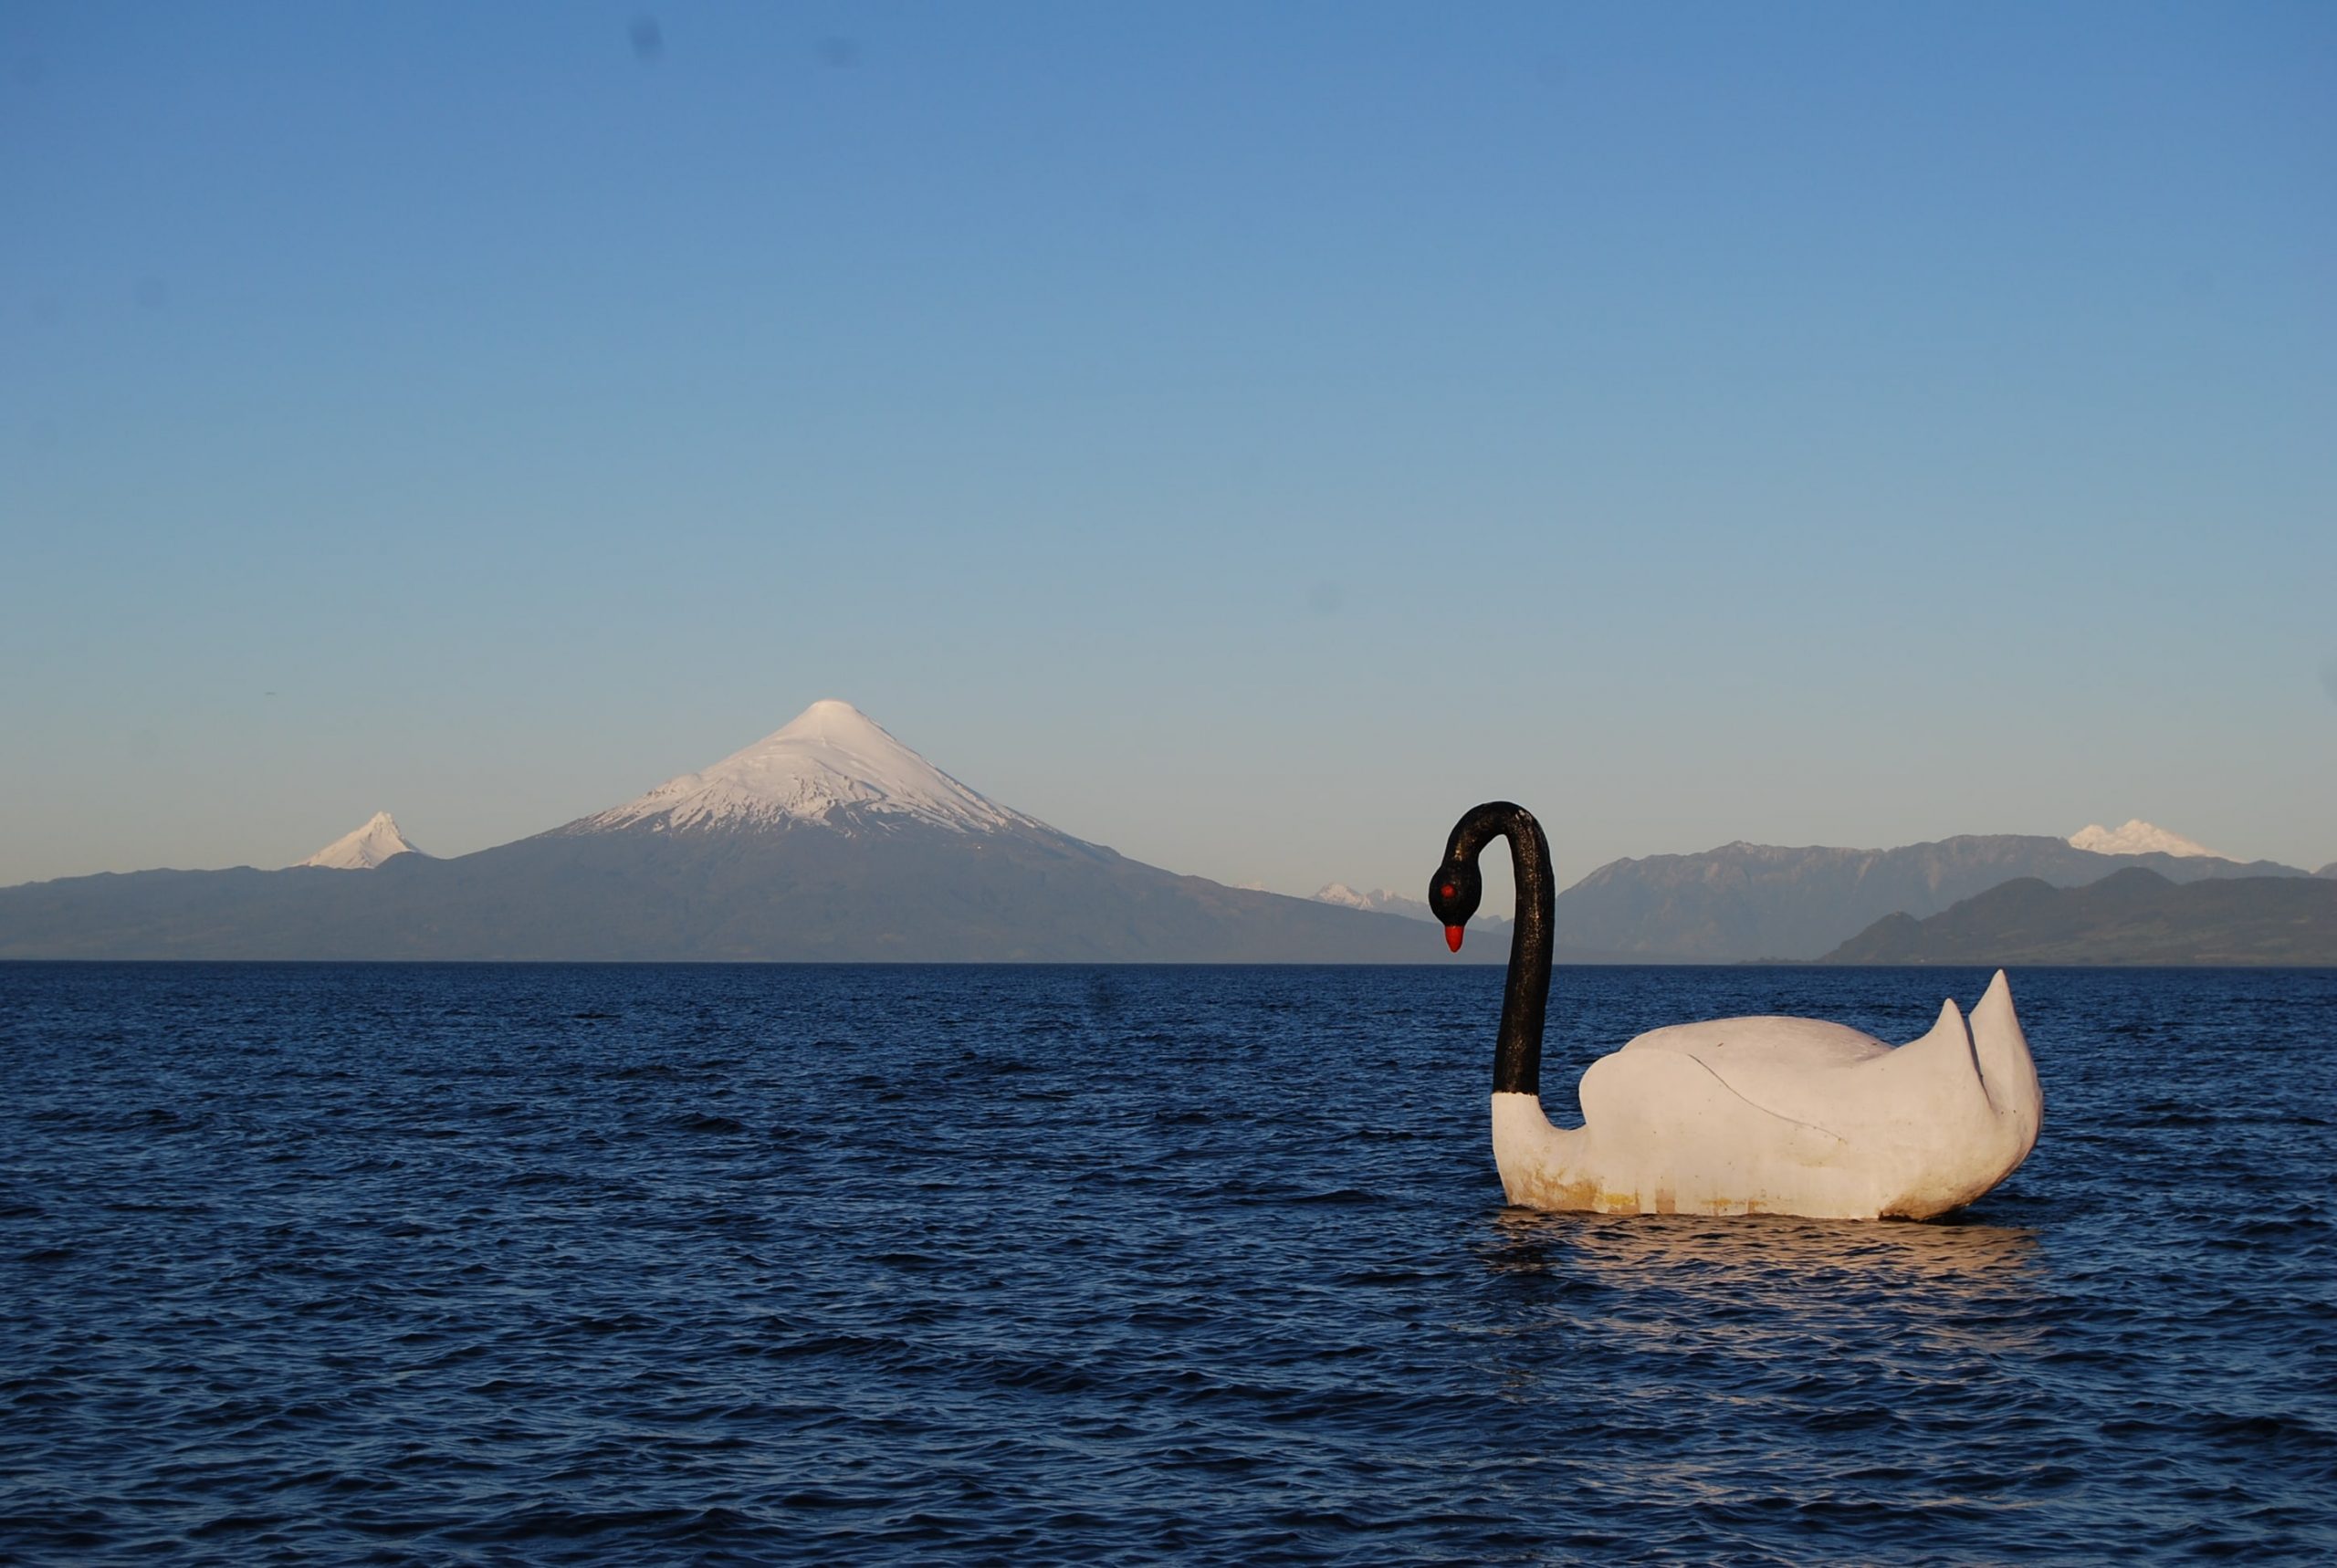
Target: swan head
(1453, 893)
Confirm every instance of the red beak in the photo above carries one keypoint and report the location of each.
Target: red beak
(1452, 938)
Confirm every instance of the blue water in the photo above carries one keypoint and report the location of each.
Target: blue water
(515, 1264)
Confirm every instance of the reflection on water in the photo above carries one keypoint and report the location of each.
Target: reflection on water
(1819, 1289)
(1762, 1367)
(1763, 1255)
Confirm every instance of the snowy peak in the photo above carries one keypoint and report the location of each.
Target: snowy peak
(832, 765)
(2138, 838)
(368, 847)
(1378, 901)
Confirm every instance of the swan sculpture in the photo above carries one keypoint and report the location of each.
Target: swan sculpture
(1747, 1115)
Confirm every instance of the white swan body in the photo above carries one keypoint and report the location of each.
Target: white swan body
(1785, 1115)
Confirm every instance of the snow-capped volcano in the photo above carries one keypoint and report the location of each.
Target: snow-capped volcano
(366, 847)
(2138, 838)
(833, 766)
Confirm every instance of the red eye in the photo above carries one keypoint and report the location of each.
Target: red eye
(1448, 890)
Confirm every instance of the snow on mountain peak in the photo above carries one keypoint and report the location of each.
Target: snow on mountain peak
(2138, 838)
(1378, 901)
(366, 847)
(1341, 893)
(828, 757)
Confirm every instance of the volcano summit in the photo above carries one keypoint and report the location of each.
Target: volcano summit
(835, 766)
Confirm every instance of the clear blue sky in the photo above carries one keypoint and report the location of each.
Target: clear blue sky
(1244, 435)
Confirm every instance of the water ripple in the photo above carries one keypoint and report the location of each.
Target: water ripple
(638, 1264)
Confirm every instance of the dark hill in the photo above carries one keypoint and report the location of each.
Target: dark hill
(2135, 916)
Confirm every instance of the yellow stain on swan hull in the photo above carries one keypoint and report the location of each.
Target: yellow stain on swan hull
(1587, 1198)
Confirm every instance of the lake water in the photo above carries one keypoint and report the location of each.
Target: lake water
(517, 1264)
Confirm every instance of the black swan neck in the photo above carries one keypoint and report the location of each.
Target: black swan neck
(1526, 997)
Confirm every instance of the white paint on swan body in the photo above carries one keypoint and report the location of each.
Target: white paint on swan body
(1785, 1115)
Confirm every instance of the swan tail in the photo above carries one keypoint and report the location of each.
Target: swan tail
(1941, 1070)
(2006, 1070)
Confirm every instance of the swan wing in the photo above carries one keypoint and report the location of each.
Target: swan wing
(1871, 1094)
(1785, 1043)
(1676, 1103)
(1835, 1077)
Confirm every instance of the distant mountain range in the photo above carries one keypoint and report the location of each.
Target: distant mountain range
(827, 840)
(1744, 902)
(2133, 916)
(832, 840)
